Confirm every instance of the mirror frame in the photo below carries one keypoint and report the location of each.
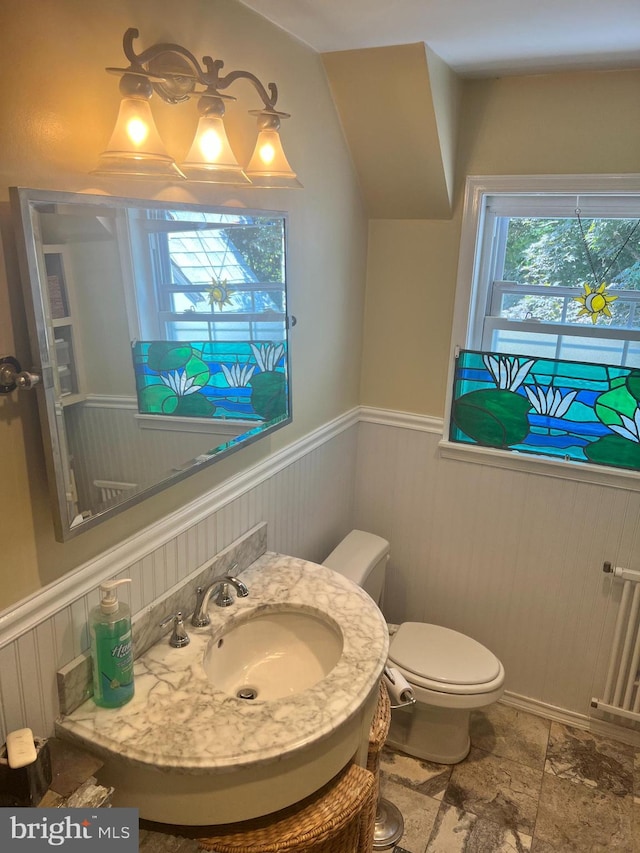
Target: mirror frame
(23, 202)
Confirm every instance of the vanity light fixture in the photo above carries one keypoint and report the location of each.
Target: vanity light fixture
(136, 149)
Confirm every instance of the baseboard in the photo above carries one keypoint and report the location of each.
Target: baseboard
(621, 731)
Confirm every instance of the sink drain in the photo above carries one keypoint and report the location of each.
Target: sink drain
(247, 693)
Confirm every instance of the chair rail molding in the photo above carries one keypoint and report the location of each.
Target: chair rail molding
(31, 611)
(405, 420)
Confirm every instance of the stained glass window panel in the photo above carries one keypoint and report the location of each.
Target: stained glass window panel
(569, 409)
(238, 380)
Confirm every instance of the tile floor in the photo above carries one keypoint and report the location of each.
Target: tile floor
(528, 785)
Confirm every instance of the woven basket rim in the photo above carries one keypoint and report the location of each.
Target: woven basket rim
(305, 825)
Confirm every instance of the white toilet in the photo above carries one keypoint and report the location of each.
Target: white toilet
(450, 673)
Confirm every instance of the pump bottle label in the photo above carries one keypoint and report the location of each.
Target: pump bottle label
(112, 663)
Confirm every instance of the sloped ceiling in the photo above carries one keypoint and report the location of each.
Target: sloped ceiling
(398, 106)
(478, 39)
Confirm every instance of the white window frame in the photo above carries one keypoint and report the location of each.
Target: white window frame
(143, 297)
(152, 296)
(468, 298)
(497, 209)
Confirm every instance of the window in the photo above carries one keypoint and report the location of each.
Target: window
(209, 276)
(543, 261)
(209, 340)
(547, 322)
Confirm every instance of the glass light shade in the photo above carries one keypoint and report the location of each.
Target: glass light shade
(210, 157)
(269, 166)
(135, 148)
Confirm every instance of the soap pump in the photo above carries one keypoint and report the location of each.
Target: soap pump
(111, 648)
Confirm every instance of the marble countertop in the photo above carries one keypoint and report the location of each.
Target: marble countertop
(177, 720)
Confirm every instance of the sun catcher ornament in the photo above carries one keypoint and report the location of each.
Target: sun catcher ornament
(219, 292)
(595, 301)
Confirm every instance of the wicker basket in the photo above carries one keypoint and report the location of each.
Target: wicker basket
(379, 730)
(338, 818)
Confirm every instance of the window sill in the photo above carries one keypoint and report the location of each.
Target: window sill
(578, 472)
(168, 423)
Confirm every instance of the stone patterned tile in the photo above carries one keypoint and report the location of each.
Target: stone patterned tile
(511, 733)
(497, 789)
(457, 831)
(595, 761)
(423, 776)
(419, 813)
(165, 842)
(574, 818)
(498, 798)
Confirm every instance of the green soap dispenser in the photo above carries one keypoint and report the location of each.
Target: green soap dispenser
(111, 649)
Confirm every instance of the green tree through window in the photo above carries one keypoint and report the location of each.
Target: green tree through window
(552, 253)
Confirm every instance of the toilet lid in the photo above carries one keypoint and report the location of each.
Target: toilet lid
(442, 655)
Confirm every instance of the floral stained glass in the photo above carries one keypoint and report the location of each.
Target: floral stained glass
(568, 409)
(239, 380)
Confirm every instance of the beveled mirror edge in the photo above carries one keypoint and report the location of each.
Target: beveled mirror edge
(22, 199)
(40, 357)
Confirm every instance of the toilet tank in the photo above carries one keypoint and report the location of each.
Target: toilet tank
(362, 557)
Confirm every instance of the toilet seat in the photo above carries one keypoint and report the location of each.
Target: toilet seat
(439, 659)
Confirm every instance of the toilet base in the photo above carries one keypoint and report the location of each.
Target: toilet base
(433, 734)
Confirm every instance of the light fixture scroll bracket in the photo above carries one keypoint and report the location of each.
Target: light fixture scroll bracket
(136, 148)
(269, 98)
(175, 73)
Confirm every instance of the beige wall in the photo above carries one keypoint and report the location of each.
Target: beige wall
(548, 124)
(57, 108)
(409, 310)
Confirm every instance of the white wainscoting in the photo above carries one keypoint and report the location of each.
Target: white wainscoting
(304, 493)
(512, 558)
(104, 440)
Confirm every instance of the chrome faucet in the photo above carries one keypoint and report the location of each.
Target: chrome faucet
(223, 598)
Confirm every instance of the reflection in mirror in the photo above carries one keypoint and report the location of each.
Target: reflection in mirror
(161, 331)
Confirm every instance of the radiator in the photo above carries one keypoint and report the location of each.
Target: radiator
(110, 489)
(622, 688)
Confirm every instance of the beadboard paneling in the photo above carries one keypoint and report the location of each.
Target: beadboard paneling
(511, 558)
(308, 505)
(104, 441)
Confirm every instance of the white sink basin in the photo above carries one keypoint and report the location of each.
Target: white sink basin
(273, 654)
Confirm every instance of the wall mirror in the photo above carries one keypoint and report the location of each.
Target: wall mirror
(161, 334)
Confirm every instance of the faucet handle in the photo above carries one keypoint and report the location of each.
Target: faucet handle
(223, 596)
(200, 619)
(179, 636)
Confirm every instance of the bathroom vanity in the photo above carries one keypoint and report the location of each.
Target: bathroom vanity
(188, 749)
